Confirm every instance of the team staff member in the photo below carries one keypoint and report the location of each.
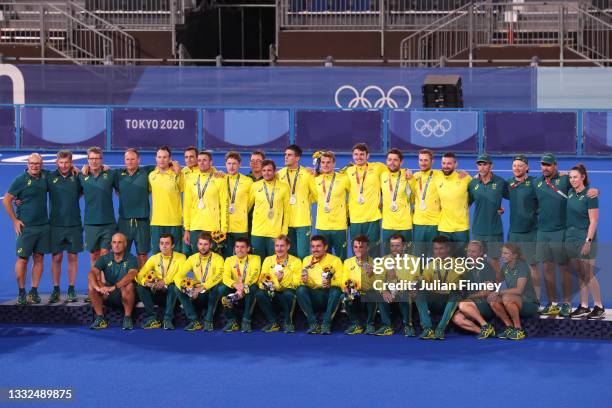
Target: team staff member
(364, 196)
(205, 200)
(207, 269)
(396, 194)
(319, 291)
(426, 215)
(486, 192)
(473, 305)
(98, 184)
(256, 163)
(240, 276)
(155, 284)
(302, 194)
(523, 215)
(581, 242)
(283, 271)
(238, 189)
(117, 289)
(65, 219)
(454, 214)
(31, 224)
(332, 191)
(437, 300)
(166, 212)
(518, 300)
(358, 273)
(269, 199)
(404, 299)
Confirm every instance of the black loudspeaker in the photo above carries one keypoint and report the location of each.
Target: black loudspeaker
(442, 91)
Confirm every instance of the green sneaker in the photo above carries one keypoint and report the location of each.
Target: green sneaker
(245, 326)
(504, 333)
(565, 310)
(439, 334)
(325, 328)
(370, 329)
(384, 331)
(168, 325)
(409, 331)
(313, 329)
(551, 310)
(151, 323)
(55, 296)
(486, 331)
(517, 334)
(71, 296)
(231, 326)
(354, 329)
(289, 328)
(127, 324)
(194, 326)
(21, 299)
(99, 323)
(271, 327)
(208, 326)
(87, 299)
(33, 297)
(427, 334)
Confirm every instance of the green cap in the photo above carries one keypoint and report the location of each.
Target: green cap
(521, 157)
(548, 158)
(484, 158)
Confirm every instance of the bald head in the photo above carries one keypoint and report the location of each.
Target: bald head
(118, 244)
(34, 164)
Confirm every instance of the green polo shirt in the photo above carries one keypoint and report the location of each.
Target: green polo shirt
(133, 192)
(98, 194)
(64, 194)
(32, 192)
(578, 206)
(552, 205)
(487, 200)
(475, 275)
(512, 275)
(113, 270)
(523, 204)
(252, 177)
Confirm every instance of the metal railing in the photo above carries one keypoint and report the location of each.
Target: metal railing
(592, 37)
(140, 14)
(330, 14)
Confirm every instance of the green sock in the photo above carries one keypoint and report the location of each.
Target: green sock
(71, 288)
(56, 288)
(22, 291)
(34, 289)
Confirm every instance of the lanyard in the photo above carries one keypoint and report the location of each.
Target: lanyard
(439, 273)
(365, 173)
(331, 186)
(203, 191)
(294, 180)
(517, 183)
(244, 273)
(555, 189)
(285, 262)
(205, 274)
(424, 194)
(397, 183)
(270, 201)
(233, 194)
(161, 264)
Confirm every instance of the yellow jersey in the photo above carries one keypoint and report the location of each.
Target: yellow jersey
(424, 185)
(364, 196)
(207, 270)
(396, 216)
(278, 194)
(454, 214)
(238, 197)
(337, 217)
(165, 198)
(315, 270)
(162, 267)
(302, 189)
(291, 267)
(441, 275)
(404, 271)
(358, 273)
(205, 203)
(245, 270)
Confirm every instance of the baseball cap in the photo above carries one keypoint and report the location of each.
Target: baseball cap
(484, 158)
(521, 157)
(548, 158)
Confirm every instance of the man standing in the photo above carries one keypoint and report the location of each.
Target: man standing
(396, 193)
(155, 284)
(454, 199)
(205, 200)
(256, 162)
(117, 289)
(190, 155)
(486, 192)
(320, 286)
(65, 218)
(31, 224)
(302, 194)
(269, 199)
(332, 191)
(238, 189)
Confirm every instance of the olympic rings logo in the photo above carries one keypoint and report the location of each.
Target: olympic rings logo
(433, 127)
(363, 98)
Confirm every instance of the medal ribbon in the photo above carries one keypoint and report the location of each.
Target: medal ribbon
(270, 201)
(233, 194)
(424, 191)
(205, 274)
(203, 191)
(292, 188)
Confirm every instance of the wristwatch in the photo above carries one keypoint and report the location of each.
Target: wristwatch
(589, 240)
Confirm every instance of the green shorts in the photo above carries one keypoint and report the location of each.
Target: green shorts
(175, 231)
(574, 241)
(69, 239)
(136, 230)
(99, 236)
(550, 247)
(114, 299)
(485, 310)
(527, 243)
(493, 243)
(33, 239)
(422, 236)
(528, 309)
(458, 241)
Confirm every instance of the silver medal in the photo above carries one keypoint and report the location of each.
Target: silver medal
(271, 214)
(278, 268)
(394, 206)
(201, 204)
(292, 200)
(361, 200)
(326, 208)
(422, 205)
(231, 209)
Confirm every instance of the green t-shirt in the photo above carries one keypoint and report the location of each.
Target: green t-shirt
(523, 204)
(113, 270)
(552, 205)
(512, 275)
(475, 275)
(133, 192)
(32, 192)
(487, 199)
(578, 206)
(98, 194)
(64, 194)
